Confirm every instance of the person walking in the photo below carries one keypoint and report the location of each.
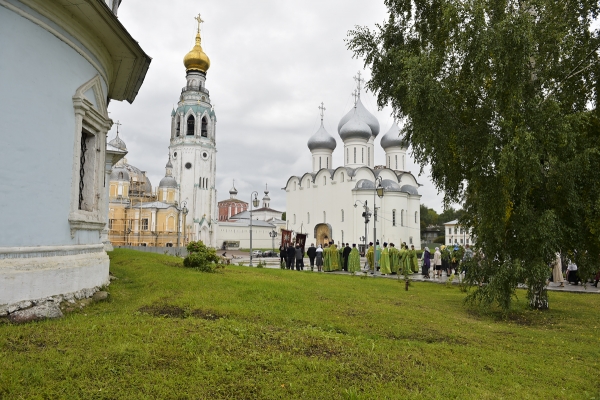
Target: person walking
(319, 258)
(311, 253)
(426, 263)
(354, 260)
(394, 259)
(299, 258)
(413, 261)
(291, 256)
(437, 263)
(345, 255)
(282, 255)
(384, 261)
(557, 276)
(371, 257)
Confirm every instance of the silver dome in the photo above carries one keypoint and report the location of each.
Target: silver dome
(363, 114)
(390, 185)
(410, 189)
(365, 184)
(321, 140)
(168, 182)
(118, 143)
(355, 128)
(119, 174)
(392, 138)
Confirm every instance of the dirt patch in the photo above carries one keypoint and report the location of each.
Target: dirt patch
(164, 311)
(206, 314)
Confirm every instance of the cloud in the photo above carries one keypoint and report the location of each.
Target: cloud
(272, 64)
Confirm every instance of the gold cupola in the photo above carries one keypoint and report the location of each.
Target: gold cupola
(196, 59)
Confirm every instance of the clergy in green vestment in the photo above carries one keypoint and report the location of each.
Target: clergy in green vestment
(335, 257)
(377, 253)
(384, 261)
(404, 262)
(341, 256)
(371, 256)
(394, 258)
(354, 260)
(413, 261)
(327, 258)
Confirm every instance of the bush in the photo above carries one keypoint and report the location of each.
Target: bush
(201, 257)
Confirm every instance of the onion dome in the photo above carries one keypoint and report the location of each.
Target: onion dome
(169, 165)
(233, 191)
(364, 115)
(168, 182)
(355, 128)
(118, 143)
(119, 173)
(196, 59)
(321, 140)
(392, 138)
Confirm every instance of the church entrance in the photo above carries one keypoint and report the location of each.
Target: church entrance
(323, 233)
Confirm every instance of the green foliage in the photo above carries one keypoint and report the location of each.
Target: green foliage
(201, 258)
(169, 332)
(283, 216)
(440, 239)
(500, 99)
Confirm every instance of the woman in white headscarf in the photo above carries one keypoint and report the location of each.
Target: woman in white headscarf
(437, 263)
(319, 258)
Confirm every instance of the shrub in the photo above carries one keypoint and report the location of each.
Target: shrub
(201, 257)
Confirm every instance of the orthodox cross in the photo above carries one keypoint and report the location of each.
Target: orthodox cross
(322, 108)
(200, 20)
(118, 124)
(356, 96)
(359, 82)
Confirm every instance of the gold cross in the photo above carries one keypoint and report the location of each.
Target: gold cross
(200, 20)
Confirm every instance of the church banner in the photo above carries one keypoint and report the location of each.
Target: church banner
(301, 240)
(286, 237)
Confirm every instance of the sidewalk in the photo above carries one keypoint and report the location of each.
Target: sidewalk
(273, 262)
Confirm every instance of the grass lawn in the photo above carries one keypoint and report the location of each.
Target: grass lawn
(248, 333)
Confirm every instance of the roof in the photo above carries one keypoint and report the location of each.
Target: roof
(246, 222)
(155, 204)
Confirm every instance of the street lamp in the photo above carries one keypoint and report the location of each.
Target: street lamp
(253, 202)
(185, 211)
(366, 215)
(273, 235)
(379, 191)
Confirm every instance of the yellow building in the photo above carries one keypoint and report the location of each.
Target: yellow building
(139, 216)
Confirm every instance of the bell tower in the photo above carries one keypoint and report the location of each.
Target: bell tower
(193, 148)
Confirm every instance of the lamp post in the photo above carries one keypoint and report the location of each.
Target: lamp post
(378, 189)
(273, 235)
(253, 202)
(185, 211)
(366, 215)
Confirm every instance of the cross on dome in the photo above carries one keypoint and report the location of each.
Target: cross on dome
(200, 20)
(359, 82)
(118, 124)
(322, 108)
(356, 96)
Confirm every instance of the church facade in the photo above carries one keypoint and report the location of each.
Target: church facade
(70, 61)
(329, 203)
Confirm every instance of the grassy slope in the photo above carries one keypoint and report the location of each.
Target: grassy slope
(288, 334)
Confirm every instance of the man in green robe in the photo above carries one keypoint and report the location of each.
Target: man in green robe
(334, 257)
(394, 258)
(384, 261)
(413, 261)
(326, 258)
(377, 253)
(404, 260)
(371, 257)
(354, 260)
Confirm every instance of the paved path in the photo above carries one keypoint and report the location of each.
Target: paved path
(243, 257)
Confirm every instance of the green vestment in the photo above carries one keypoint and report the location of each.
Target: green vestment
(412, 260)
(371, 257)
(384, 262)
(354, 261)
(327, 259)
(394, 260)
(335, 258)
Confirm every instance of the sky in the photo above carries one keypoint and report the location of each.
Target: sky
(272, 64)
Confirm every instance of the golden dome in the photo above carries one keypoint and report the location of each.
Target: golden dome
(196, 59)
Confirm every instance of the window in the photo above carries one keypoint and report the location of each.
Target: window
(355, 155)
(308, 183)
(393, 217)
(294, 185)
(342, 215)
(396, 157)
(324, 217)
(324, 180)
(308, 218)
(110, 223)
(363, 155)
(342, 177)
(410, 240)
(402, 218)
(449, 231)
(461, 241)
(461, 231)
(416, 214)
(319, 162)
(204, 130)
(327, 161)
(467, 240)
(294, 219)
(177, 128)
(388, 162)
(87, 172)
(455, 230)
(368, 156)
(347, 159)
(144, 224)
(403, 164)
(191, 124)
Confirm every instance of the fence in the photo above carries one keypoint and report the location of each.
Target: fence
(172, 251)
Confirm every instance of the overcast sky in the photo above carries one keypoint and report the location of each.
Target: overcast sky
(272, 63)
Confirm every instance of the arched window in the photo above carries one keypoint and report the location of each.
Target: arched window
(177, 128)
(120, 175)
(403, 169)
(347, 159)
(308, 218)
(324, 180)
(396, 157)
(342, 177)
(319, 162)
(294, 185)
(324, 217)
(355, 155)
(368, 156)
(388, 162)
(402, 218)
(191, 122)
(294, 219)
(342, 215)
(393, 217)
(308, 183)
(415, 217)
(327, 161)
(204, 130)
(362, 151)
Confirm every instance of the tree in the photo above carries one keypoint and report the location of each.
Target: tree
(450, 214)
(283, 216)
(499, 97)
(428, 216)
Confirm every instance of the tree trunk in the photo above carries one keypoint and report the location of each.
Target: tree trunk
(538, 297)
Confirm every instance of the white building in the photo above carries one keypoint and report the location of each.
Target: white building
(60, 65)
(456, 234)
(193, 149)
(327, 203)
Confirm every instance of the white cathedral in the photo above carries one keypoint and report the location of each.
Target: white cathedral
(328, 203)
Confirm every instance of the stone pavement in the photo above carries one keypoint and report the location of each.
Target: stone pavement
(243, 257)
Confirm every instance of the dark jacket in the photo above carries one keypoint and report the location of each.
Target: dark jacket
(299, 253)
(291, 252)
(311, 252)
(346, 252)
